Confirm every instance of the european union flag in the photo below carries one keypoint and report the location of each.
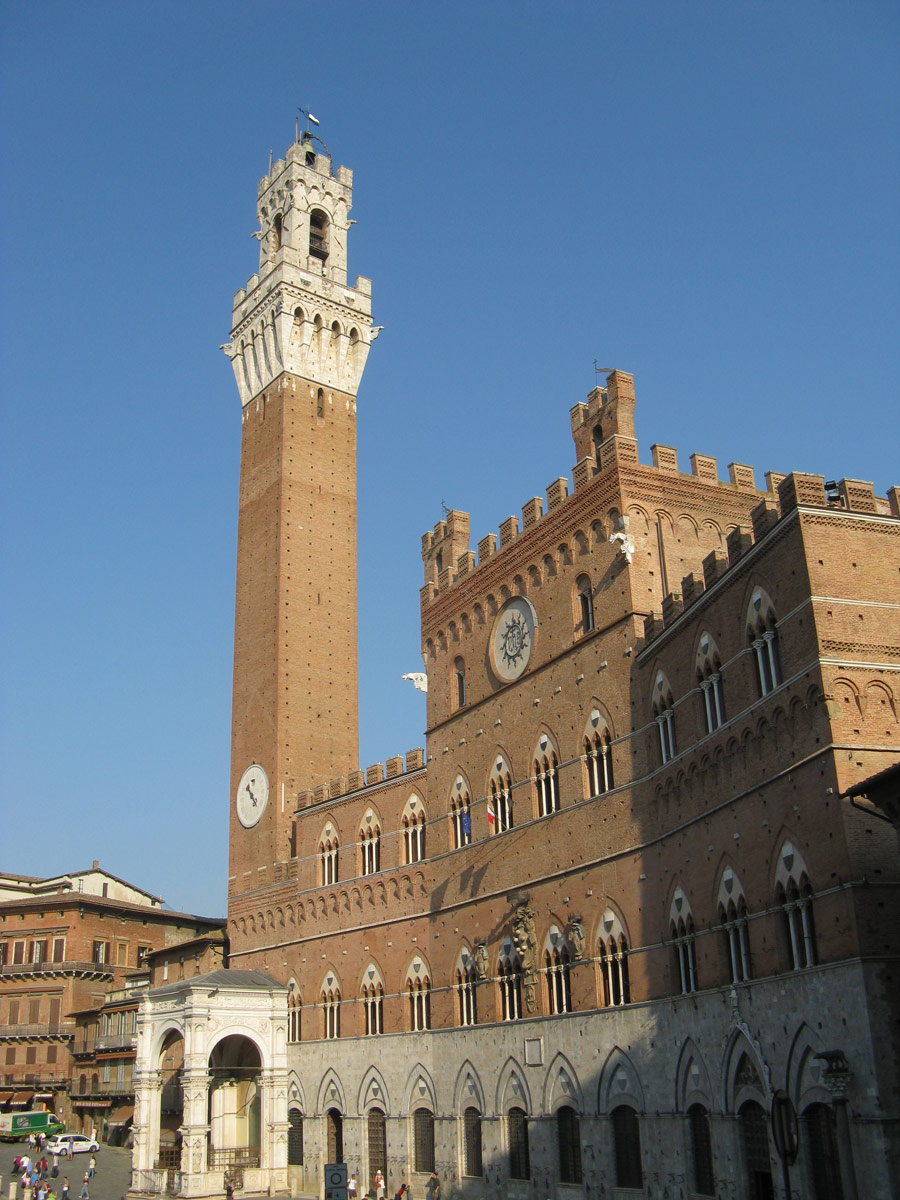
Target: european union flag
(466, 824)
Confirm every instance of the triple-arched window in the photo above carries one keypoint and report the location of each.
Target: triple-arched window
(556, 971)
(612, 953)
(598, 755)
(331, 1008)
(418, 989)
(413, 824)
(369, 845)
(328, 857)
(373, 1002)
(466, 994)
(546, 778)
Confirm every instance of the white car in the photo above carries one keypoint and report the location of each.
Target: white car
(77, 1142)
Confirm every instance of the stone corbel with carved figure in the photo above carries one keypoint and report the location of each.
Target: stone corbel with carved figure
(576, 937)
(480, 959)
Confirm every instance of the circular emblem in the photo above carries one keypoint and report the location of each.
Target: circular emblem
(252, 795)
(512, 639)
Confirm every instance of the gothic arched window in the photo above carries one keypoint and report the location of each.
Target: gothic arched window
(460, 816)
(510, 983)
(709, 678)
(418, 988)
(762, 631)
(459, 683)
(370, 846)
(466, 993)
(664, 716)
(584, 615)
(500, 810)
(413, 825)
(546, 779)
(559, 987)
(328, 857)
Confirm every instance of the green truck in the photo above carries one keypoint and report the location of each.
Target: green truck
(16, 1126)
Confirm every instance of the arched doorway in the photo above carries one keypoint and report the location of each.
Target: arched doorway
(334, 1136)
(235, 1101)
(377, 1144)
(755, 1136)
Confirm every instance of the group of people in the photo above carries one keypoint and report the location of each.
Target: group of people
(36, 1178)
(403, 1192)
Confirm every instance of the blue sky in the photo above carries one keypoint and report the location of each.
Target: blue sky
(702, 193)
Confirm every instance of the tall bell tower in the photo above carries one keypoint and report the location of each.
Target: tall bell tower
(299, 341)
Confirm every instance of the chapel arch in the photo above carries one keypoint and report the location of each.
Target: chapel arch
(235, 1103)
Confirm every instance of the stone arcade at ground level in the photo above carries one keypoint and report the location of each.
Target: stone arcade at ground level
(211, 1087)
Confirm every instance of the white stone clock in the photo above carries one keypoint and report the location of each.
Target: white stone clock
(252, 795)
(512, 638)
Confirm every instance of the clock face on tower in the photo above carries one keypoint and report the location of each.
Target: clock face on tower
(252, 795)
(512, 639)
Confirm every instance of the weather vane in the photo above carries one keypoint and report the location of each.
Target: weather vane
(310, 120)
(308, 135)
(598, 371)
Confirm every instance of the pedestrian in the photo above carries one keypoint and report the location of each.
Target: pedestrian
(433, 1187)
(351, 1188)
(92, 1167)
(379, 1185)
(229, 1186)
(85, 1193)
(401, 1192)
(45, 1167)
(54, 1170)
(69, 1151)
(64, 1194)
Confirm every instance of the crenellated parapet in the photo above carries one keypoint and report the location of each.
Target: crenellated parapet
(298, 313)
(360, 781)
(603, 430)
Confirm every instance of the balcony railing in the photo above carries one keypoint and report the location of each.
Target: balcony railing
(158, 1182)
(54, 1029)
(116, 1041)
(233, 1156)
(67, 966)
(111, 1088)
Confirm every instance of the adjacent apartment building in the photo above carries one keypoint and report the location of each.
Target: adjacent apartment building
(67, 944)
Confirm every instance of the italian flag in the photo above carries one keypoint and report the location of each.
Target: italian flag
(490, 812)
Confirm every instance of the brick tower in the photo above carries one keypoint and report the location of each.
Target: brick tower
(299, 342)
